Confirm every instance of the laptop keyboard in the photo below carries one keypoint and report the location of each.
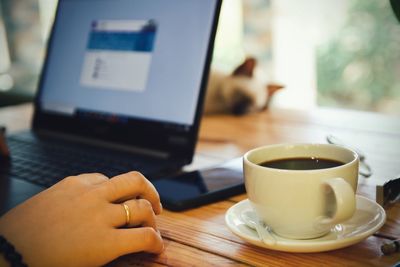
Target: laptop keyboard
(45, 163)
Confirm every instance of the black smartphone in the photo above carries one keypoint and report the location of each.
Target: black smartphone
(196, 188)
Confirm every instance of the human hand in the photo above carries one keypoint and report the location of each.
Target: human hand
(80, 221)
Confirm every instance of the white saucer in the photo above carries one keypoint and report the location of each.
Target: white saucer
(368, 218)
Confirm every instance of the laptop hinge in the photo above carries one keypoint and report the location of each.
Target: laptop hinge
(104, 144)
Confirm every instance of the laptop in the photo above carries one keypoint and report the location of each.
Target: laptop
(121, 89)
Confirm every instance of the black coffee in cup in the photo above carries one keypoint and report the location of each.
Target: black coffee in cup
(301, 163)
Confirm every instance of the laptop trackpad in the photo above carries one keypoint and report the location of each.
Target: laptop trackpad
(14, 192)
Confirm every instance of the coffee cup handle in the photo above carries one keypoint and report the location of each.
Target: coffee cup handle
(345, 200)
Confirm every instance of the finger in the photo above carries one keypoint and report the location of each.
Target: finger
(140, 214)
(93, 178)
(132, 185)
(138, 239)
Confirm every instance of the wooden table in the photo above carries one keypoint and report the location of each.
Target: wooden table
(199, 237)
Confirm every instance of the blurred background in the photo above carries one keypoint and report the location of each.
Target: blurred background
(332, 53)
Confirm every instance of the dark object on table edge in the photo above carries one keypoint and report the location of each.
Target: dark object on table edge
(389, 192)
(4, 152)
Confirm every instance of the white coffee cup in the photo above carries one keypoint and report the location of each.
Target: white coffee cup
(301, 204)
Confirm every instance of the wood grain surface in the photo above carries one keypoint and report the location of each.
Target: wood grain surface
(199, 237)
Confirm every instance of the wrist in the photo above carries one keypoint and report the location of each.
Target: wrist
(9, 254)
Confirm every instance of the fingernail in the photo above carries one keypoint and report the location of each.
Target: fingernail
(160, 209)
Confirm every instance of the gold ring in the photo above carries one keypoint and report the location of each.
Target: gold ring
(127, 213)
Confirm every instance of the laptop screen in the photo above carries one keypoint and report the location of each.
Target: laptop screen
(124, 59)
(132, 72)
